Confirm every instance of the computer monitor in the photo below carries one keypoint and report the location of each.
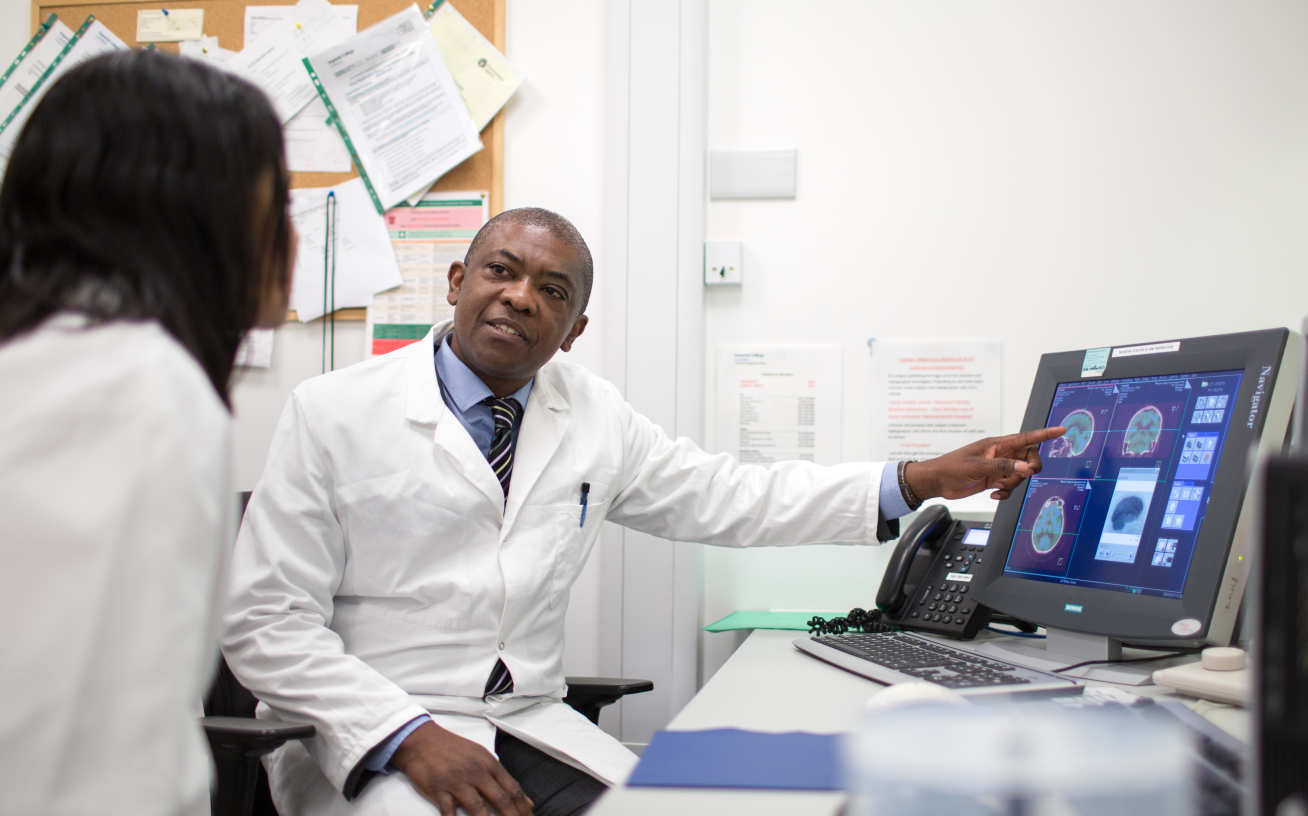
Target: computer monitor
(1136, 530)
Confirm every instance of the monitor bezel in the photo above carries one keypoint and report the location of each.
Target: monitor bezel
(1119, 614)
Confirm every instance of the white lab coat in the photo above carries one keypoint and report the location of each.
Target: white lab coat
(379, 574)
(117, 511)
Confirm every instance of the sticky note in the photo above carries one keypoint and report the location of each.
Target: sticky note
(171, 25)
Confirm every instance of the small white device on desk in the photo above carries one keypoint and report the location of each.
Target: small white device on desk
(1220, 674)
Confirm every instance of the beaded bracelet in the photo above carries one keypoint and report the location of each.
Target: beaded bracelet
(904, 489)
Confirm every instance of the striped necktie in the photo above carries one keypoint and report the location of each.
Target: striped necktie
(500, 456)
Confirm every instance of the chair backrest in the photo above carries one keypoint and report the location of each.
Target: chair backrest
(226, 696)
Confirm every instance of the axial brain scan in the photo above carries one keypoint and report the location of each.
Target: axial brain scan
(1048, 527)
(1142, 432)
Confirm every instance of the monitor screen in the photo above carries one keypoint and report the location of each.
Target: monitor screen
(1123, 494)
(1135, 527)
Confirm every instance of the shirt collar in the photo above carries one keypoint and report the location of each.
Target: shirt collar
(464, 388)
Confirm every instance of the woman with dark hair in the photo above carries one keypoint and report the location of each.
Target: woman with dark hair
(143, 232)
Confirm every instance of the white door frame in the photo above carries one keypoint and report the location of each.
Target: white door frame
(656, 126)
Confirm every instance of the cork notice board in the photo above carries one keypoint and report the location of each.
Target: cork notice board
(225, 19)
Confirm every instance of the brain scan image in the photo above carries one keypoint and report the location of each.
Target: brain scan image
(1126, 511)
(1048, 527)
(1080, 426)
(1142, 432)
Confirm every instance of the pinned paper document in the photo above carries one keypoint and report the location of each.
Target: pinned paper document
(91, 39)
(396, 105)
(363, 260)
(272, 62)
(311, 25)
(206, 49)
(27, 69)
(485, 78)
(312, 143)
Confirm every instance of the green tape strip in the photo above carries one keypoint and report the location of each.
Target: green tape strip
(430, 10)
(27, 49)
(335, 118)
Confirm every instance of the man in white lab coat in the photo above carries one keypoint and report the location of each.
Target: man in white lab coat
(401, 577)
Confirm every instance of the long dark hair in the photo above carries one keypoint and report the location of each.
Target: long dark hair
(147, 187)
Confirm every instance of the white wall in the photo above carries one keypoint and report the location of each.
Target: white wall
(14, 28)
(1053, 174)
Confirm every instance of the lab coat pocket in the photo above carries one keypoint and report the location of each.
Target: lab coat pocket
(577, 535)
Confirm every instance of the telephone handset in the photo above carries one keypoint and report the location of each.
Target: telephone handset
(928, 583)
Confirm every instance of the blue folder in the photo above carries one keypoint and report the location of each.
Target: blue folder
(732, 758)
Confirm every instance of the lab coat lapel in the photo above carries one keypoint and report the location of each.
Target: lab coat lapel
(424, 405)
(543, 425)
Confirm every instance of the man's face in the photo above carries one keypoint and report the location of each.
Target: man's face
(515, 304)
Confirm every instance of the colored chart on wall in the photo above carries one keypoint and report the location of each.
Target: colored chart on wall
(427, 238)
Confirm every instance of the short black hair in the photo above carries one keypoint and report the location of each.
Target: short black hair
(558, 226)
(131, 194)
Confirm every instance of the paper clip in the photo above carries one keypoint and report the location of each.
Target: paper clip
(165, 12)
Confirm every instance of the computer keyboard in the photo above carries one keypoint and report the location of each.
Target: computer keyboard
(904, 657)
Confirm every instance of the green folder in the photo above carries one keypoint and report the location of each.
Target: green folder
(767, 619)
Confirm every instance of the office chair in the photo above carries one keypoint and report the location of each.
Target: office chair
(238, 740)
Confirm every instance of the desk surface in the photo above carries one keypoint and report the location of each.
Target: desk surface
(768, 685)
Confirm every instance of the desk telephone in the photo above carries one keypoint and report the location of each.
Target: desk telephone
(928, 585)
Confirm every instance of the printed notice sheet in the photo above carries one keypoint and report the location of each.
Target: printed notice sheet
(929, 397)
(427, 238)
(778, 403)
(364, 261)
(398, 109)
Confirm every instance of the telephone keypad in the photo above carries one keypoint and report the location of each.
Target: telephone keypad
(943, 606)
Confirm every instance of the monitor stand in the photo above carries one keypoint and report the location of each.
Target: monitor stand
(1062, 648)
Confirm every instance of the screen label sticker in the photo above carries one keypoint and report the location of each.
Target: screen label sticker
(1147, 348)
(1094, 362)
(963, 577)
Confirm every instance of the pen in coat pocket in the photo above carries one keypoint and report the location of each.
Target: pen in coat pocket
(585, 492)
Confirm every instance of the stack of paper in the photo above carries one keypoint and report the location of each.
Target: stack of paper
(398, 110)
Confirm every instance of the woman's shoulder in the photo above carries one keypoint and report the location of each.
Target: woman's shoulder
(121, 369)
